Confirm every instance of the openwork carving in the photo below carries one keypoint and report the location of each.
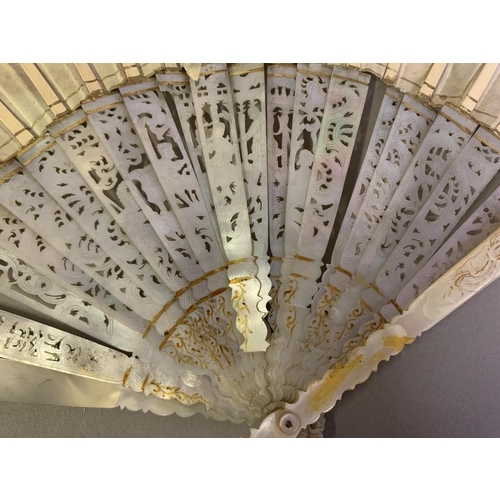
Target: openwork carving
(231, 240)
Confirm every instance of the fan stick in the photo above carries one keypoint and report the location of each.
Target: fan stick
(385, 119)
(280, 104)
(214, 108)
(111, 209)
(410, 126)
(107, 115)
(175, 87)
(411, 77)
(63, 232)
(280, 100)
(36, 344)
(446, 138)
(248, 85)
(455, 83)
(310, 99)
(476, 229)
(56, 174)
(165, 149)
(55, 269)
(339, 127)
(460, 185)
(23, 284)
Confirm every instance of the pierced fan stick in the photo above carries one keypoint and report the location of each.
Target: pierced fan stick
(343, 109)
(482, 223)
(385, 119)
(171, 252)
(339, 305)
(150, 182)
(20, 242)
(460, 185)
(443, 142)
(119, 210)
(310, 99)
(160, 137)
(339, 126)
(216, 123)
(298, 275)
(280, 103)
(410, 126)
(21, 282)
(281, 83)
(175, 87)
(57, 175)
(96, 165)
(476, 165)
(36, 344)
(107, 115)
(26, 199)
(248, 85)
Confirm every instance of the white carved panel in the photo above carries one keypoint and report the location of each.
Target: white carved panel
(310, 98)
(25, 198)
(165, 149)
(36, 344)
(280, 104)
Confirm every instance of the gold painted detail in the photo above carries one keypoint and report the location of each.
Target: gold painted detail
(187, 313)
(360, 340)
(236, 72)
(68, 128)
(322, 395)
(314, 73)
(343, 271)
(10, 175)
(126, 375)
(206, 338)
(178, 294)
(397, 342)
(170, 392)
(362, 309)
(154, 85)
(319, 328)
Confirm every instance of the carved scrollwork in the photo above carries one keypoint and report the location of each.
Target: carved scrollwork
(187, 219)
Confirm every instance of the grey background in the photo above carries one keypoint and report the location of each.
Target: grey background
(446, 384)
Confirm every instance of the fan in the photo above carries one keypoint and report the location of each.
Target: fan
(246, 241)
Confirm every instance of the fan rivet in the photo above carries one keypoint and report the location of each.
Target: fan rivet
(288, 423)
